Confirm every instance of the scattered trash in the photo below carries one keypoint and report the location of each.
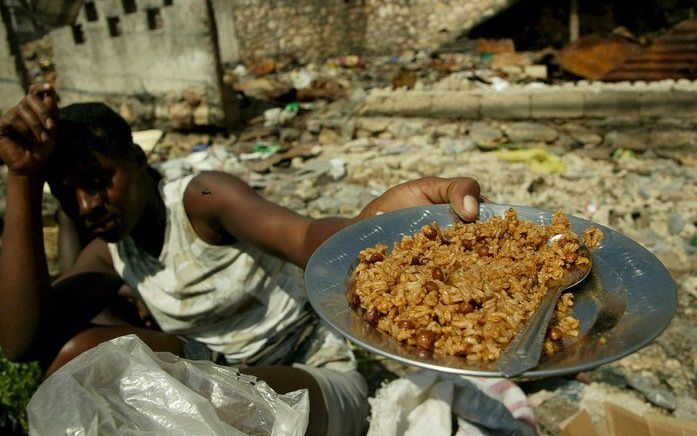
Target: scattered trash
(404, 79)
(262, 67)
(292, 108)
(593, 57)
(199, 147)
(337, 169)
(427, 402)
(278, 117)
(538, 159)
(123, 387)
(673, 55)
(495, 46)
(498, 84)
(622, 153)
(261, 151)
(147, 139)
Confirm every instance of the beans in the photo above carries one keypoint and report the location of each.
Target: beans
(372, 316)
(430, 286)
(467, 244)
(445, 241)
(425, 339)
(437, 274)
(416, 260)
(405, 324)
(555, 334)
(482, 251)
(465, 308)
(430, 233)
(571, 257)
(373, 258)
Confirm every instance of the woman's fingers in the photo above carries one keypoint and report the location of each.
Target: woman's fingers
(37, 106)
(463, 195)
(32, 121)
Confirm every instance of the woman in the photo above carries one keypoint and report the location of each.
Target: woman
(218, 266)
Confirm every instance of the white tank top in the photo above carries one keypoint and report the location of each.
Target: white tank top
(232, 298)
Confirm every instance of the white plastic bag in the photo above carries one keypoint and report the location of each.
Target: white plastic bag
(122, 387)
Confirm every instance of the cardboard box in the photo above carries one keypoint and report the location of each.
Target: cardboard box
(621, 422)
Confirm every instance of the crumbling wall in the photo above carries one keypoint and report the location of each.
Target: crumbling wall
(312, 29)
(303, 29)
(11, 91)
(153, 60)
(397, 25)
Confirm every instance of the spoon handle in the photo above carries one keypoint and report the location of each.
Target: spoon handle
(524, 351)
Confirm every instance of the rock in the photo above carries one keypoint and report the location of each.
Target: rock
(671, 139)
(290, 134)
(530, 132)
(485, 135)
(180, 114)
(686, 409)
(337, 169)
(328, 137)
(193, 96)
(678, 340)
(536, 72)
(582, 134)
(608, 375)
(201, 115)
(313, 125)
(675, 223)
(373, 124)
(627, 140)
(346, 200)
(649, 385)
(456, 146)
(553, 411)
(449, 130)
(405, 128)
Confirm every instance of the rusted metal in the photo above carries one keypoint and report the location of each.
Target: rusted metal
(592, 57)
(671, 56)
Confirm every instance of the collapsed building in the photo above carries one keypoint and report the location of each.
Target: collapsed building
(160, 62)
(161, 59)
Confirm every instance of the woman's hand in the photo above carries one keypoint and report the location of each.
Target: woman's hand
(28, 131)
(461, 192)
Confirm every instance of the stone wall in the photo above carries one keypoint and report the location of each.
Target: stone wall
(312, 29)
(303, 29)
(154, 60)
(11, 91)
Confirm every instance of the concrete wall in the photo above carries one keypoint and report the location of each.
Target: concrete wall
(11, 91)
(317, 29)
(168, 74)
(227, 35)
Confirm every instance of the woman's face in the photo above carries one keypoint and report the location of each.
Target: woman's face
(110, 195)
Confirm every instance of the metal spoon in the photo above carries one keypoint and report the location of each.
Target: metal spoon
(524, 351)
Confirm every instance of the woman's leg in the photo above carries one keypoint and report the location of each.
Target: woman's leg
(90, 338)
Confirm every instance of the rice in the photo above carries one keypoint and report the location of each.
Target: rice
(466, 290)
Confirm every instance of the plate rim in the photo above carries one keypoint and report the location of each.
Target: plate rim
(534, 373)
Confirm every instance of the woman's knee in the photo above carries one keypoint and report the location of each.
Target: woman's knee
(75, 346)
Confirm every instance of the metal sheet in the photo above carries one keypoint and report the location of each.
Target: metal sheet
(628, 300)
(671, 56)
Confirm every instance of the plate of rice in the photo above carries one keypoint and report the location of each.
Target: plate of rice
(423, 288)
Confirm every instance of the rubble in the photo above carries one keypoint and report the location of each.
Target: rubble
(316, 145)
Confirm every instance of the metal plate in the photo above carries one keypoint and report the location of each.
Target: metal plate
(628, 299)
